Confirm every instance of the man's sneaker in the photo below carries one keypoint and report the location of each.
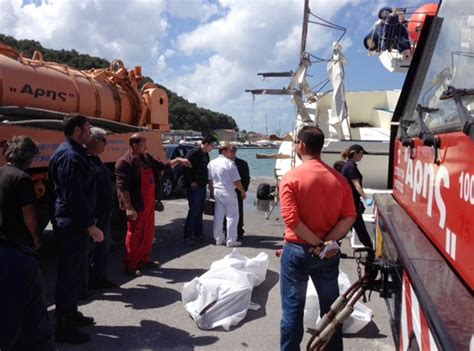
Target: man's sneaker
(219, 242)
(189, 241)
(233, 243)
(79, 320)
(71, 335)
(85, 295)
(199, 238)
(102, 284)
(151, 265)
(133, 272)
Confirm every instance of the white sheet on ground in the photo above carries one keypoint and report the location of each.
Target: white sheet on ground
(221, 296)
(361, 316)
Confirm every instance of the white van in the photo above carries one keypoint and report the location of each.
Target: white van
(192, 140)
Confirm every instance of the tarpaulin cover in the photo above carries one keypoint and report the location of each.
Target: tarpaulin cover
(221, 296)
(361, 316)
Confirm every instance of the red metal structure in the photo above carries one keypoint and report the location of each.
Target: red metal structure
(425, 228)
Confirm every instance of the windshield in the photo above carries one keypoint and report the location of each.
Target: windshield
(450, 56)
(169, 151)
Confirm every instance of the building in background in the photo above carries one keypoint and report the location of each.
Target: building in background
(226, 134)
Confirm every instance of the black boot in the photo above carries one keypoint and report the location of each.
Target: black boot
(67, 332)
(79, 320)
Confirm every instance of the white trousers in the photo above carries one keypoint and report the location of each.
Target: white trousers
(227, 206)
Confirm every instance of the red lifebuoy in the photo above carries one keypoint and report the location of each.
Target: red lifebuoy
(417, 20)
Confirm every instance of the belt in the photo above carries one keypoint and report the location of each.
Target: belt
(298, 243)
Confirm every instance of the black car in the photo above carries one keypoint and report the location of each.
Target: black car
(172, 180)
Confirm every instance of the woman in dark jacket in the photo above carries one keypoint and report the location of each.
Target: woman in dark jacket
(354, 154)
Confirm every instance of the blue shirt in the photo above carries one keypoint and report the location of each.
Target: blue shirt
(74, 185)
(105, 190)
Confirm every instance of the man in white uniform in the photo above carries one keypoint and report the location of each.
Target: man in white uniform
(224, 178)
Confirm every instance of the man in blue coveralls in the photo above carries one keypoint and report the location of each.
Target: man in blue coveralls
(74, 194)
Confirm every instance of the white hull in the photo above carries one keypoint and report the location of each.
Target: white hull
(374, 166)
(370, 114)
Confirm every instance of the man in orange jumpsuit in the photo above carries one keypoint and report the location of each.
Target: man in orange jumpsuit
(138, 175)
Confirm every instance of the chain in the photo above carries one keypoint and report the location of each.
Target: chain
(358, 258)
(359, 270)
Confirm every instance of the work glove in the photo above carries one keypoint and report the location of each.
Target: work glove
(369, 202)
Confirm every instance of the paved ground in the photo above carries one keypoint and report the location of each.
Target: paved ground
(147, 312)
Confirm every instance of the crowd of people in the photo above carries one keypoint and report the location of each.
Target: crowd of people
(83, 196)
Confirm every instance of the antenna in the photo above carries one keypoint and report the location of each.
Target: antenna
(266, 126)
(304, 30)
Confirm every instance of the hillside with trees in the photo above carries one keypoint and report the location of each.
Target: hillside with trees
(182, 113)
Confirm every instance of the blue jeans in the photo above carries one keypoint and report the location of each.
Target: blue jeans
(196, 199)
(72, 250)
(24, 322)
(296, 266)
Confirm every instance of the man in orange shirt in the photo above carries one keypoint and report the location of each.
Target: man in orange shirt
(318, 209)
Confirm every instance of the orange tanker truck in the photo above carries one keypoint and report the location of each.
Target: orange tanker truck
(35, 95)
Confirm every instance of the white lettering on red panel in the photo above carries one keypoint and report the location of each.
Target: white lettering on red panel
(427, 181)
(422, 178)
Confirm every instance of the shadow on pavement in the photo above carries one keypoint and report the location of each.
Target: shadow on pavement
(370, 331)
(150, 335)
(143, 296)
(262, 242)
(177, 275)
(260, 296)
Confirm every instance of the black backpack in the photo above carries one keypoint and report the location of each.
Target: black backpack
(265, 191)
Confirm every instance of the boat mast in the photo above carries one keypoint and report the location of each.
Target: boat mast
(304, 30)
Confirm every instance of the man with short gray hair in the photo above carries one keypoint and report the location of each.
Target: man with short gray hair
(99, 256)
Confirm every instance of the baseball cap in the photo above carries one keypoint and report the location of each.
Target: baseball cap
(357, 148)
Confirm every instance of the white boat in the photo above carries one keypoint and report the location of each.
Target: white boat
(346, 118)
(193, 140)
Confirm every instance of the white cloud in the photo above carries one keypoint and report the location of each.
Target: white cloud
(109, 29)
(211, 83)
(205, 50)
(201, 10)
(252, 37)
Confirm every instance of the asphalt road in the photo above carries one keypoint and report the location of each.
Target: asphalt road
(146, 313)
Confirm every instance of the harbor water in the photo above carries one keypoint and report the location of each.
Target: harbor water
(258, 167)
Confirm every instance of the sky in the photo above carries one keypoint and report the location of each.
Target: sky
(210, 52)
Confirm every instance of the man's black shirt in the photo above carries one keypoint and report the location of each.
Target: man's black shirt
(198, 172)
(16, 191)
(244, 172)
(105, 189)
